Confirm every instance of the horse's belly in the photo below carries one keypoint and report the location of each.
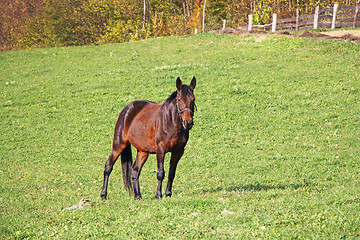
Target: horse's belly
(141, 134)
(143, 145)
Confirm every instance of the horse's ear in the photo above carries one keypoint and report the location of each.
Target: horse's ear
(193, 83)
(178, 83)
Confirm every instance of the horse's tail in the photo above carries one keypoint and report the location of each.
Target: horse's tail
(126, 166)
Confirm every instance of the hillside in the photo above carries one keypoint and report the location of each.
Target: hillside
(274, 152)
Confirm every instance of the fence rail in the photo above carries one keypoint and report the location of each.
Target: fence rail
(328, 17)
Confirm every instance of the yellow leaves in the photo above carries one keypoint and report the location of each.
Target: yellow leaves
(78, 22)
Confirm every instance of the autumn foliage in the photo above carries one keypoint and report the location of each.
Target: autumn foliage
(47, 23)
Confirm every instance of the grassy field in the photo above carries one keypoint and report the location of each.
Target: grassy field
(274, 153)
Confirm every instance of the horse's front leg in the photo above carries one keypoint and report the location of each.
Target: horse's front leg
(160, 155)
(175, 157)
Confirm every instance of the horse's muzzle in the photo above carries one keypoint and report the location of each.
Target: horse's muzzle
(188, 125)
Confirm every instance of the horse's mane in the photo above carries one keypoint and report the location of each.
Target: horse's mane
(171, 97)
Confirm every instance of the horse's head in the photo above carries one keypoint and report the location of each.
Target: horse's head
(185, 102)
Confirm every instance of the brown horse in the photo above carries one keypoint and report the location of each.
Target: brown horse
(155, 128)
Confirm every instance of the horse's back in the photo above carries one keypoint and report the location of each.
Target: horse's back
(143, 107)
(131, 110)
(138, 120)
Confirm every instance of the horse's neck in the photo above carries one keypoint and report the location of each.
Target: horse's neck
(173, 114)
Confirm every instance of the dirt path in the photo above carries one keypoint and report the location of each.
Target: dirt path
(345, 35)
(340, 33)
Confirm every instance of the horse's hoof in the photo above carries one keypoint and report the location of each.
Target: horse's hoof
(138, 197)
(158, 196)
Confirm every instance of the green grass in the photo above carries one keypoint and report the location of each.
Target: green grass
(276, 139)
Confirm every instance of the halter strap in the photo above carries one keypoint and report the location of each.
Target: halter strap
(183, 110)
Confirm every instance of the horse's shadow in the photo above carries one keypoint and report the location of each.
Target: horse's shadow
(255, 188)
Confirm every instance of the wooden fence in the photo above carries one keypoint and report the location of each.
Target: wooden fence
(329, 17)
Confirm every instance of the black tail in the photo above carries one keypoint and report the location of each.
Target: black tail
(126, 166)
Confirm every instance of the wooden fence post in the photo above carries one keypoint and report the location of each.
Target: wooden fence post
(274, 23)
(224, 23)
(250, 23)
(297, 19)
(144, 18)
(333, 24)
(316, 17)
(356, 13)
(203, 20)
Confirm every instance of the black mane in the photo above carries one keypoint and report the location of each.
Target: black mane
(184, 91)
(171, 97)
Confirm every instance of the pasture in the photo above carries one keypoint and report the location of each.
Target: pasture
(274, 153)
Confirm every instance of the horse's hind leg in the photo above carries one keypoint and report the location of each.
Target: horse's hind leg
(117, 149)
(136, 169)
